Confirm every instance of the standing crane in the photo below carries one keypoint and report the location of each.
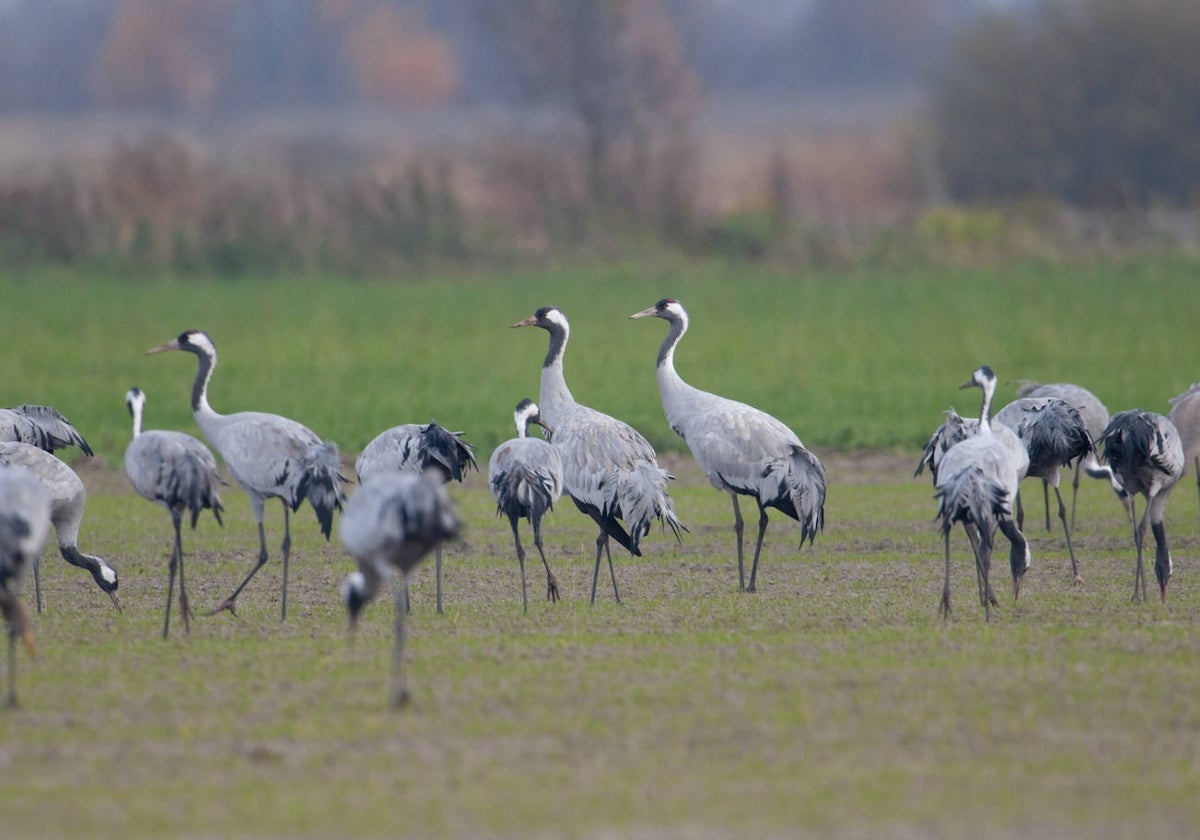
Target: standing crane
(1185, 415)
(1095, 416)
(24, 526)
(176, 471)
(271, 457)
(976, 482)
(1054, 434)
(743, 451)
(414, 447)
(392, 522)
(610, 471)
(1145, 452)
(40, 426)
(525, 477)
(67, 500)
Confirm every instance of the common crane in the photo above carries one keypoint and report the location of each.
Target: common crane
(1054, 434)
(414, 447)
(743, 451)
(24, 526)
(525, 477)
(976, 483)
(610, 471)
(67, 500)
(392, 522)
(1095, 416)
(176, 471)
(1145, 452)
(271, 457)
(40, 426)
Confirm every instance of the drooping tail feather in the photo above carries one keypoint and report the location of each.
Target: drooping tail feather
(195, 485)
(48, 429)
(642, 497)
(446, 452)
(970, 496)
(323, 483)
(523, 492)
(806, 487)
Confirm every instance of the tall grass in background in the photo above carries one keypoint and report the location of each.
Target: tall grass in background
(850, 359)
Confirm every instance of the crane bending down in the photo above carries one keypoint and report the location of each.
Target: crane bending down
(1095, 416)
(610, 471)
(417, 448)
(67, 500)
(271, 457)
(742, 450)
(24, 526)
(40, 426)
(1145, 452)
(392, 522)
(976, 483)
(176, 471)
(1185, 415)
(1054, 434)
(525, 477)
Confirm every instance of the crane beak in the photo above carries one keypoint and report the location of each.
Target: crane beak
(531, 321)
(970, 383)
(170, 345)
(645, 313)
(549, 429)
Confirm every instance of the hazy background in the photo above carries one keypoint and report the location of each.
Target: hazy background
(363, 135)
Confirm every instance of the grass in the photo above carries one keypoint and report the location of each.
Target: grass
(850, 360)
(833, 702)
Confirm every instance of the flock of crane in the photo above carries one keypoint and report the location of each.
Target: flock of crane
(401, 513)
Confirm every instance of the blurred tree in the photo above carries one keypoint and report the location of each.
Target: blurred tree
(1091, 101)
(618, 69)
(399, 60)
(166, 54)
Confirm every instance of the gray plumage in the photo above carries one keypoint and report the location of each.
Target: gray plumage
(24, 527)
(742, 450)
(271, 457)
(1095, 416)
(525, 477)
(413, 447)
(976, 483)
(67, 500)
(1146, 453)
(392, 522)
(176, 471)
(1055, 435)
(40, 426)
(1185, 416)
(610, 471)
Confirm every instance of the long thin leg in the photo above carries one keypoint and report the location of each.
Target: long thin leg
(945, 605)
(37, 581)
(398, 692)
(985, 567)
(1046, 498)
(551, 581)
(185, 608)
(1139, 580)
(228, 603)
(738, 527)
(611, 571)
(438, 568)
(762, 529)
(601, 539)
(11, 701)
(512, 520)
(985, 587)
(171, 564)
(285, 550)
(1062, 514)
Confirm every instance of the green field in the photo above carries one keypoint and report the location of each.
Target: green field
(835, 701)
